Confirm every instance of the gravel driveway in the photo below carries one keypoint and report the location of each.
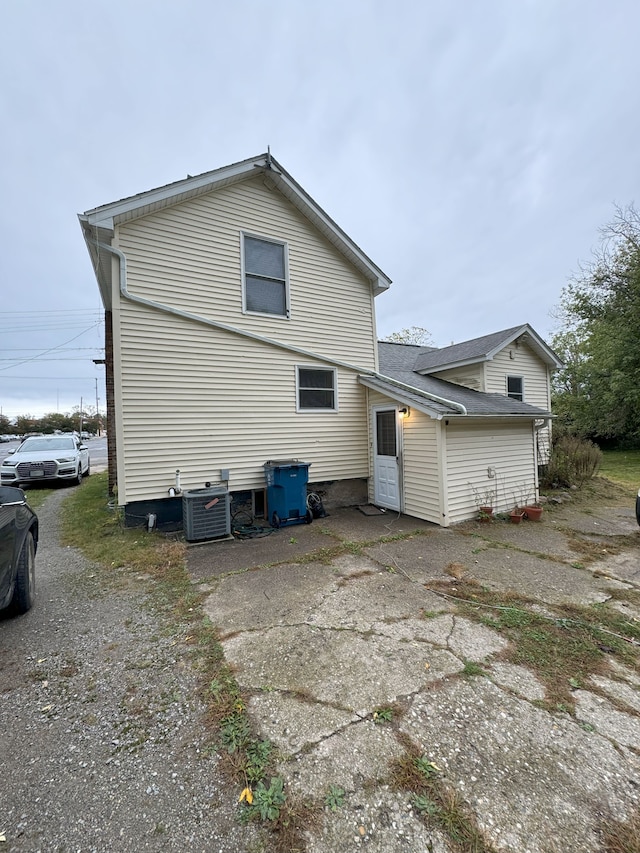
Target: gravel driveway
(101, 742)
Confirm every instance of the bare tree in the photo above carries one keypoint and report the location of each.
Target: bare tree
(413, 335)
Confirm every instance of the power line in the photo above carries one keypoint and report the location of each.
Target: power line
(51, 349)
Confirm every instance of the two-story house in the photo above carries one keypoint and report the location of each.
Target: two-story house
(240, 328)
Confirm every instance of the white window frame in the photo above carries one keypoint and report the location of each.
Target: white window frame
(306, 409)
(285, 248)
(521, 378)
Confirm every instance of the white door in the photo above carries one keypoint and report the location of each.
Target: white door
(385, 468)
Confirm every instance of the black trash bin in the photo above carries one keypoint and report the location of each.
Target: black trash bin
(286, 481)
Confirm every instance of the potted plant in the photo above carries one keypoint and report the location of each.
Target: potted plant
(516, 515)
(484, 499)
(533, 511)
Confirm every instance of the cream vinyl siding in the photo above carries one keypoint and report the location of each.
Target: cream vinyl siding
(421, 469)
(524, 363)
(475, 446)
(198, 400)
(471, 376)
(536, 383)
(419, 465)
(189, 257)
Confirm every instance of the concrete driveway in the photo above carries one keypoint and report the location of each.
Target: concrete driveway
(329, 623)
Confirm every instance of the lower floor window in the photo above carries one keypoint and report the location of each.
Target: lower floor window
(316, 388)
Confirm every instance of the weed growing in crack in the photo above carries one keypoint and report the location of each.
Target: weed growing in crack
(234, 732)
(424, 805)
(439, 806)
(564, 647)
(334, 798)
(258, 753)
(472, 668)
(266, 802)
(382, 715)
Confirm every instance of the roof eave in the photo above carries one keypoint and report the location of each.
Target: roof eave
(101, 263)
(452, 365)
(536, 343)
(106, 217)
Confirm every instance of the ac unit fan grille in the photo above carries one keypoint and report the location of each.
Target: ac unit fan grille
(206, 514)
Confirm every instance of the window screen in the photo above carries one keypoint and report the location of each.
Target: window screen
(386, 433)
(265, 279)
(514, 387)
(316, 388)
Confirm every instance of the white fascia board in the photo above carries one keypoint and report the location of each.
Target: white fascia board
(297, 195)
(537, 344)
(108, 213)
(451, 365)
(405, 400)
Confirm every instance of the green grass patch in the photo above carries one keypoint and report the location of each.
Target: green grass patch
(36, 497)
(90, 522)
(563, 649)
(622, 466)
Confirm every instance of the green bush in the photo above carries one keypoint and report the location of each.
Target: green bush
(573, 461)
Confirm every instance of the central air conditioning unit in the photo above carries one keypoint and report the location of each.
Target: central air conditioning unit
(206, 513)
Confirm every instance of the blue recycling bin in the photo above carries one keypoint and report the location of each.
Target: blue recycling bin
(286, 481)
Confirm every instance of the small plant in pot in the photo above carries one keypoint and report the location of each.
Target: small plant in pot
(533, 512)
(484, 499)
(516, 515)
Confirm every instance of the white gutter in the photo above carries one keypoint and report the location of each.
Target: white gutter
(417, 391)
(185, 315)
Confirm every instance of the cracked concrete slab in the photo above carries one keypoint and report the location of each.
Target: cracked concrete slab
(608, 720)
(320, 636)
(552, 580)
(354, 671)
(517, 679)
(626, 693)
(514, 762)
(352, 758)
(293, 723)
(378, 821)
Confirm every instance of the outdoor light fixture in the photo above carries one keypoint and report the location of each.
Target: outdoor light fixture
(405, 412)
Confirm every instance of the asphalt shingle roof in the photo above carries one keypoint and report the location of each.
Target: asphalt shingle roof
(396, 361)
(466, 351)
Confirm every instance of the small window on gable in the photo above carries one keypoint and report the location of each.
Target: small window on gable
(317, 389)
(515, 387)
(264, 270)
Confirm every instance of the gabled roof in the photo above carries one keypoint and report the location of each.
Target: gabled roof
(99, 223)
(482, 349)
(398, 379)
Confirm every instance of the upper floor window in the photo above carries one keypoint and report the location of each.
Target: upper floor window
(265, 279)
(316, 388)
(515, 387)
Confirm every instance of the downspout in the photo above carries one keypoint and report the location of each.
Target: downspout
(185, 315)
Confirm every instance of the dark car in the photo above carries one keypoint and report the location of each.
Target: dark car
(18, 546)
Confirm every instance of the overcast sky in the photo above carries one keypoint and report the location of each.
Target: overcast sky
(471, 149)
